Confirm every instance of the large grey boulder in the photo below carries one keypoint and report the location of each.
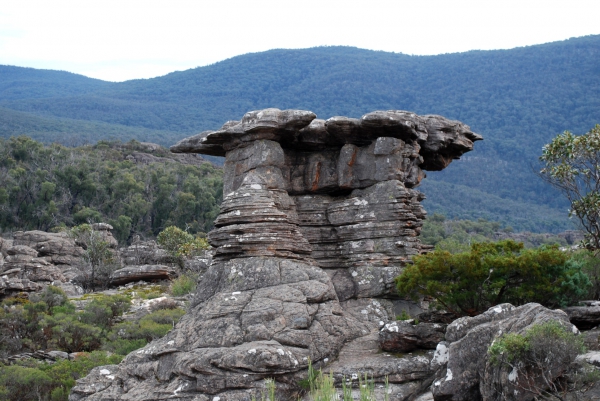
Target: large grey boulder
(465, 371)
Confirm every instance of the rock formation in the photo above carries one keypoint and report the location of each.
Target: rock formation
(318, 218)
(34, 259)
(466, 372)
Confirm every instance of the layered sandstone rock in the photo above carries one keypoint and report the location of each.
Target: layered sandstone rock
(318, 218)
(35, 259)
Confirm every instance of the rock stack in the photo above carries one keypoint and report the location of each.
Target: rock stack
(318, 218)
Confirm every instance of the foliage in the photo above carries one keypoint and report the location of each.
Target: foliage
(47, 186)
(150, 327)
(590, 265)
(98, 255)
(457, 235)
(103, 310)
(469, 283)
(321, 387)
(184, 284)
(528, 354)
(50, 321)
(49, 382)
(180, 244)
(572, 164)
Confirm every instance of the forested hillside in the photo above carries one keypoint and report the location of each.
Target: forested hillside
(517, 99)
(138, 188)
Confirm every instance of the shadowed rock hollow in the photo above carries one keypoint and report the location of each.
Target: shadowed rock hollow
(318, 218)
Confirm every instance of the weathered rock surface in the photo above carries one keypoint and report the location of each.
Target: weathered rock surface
(403, 336)
(585, 317)
(143, 253)
(466, 372)
(144, 272)
(318, 217)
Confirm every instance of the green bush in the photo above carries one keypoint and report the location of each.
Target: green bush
(590, 265)
(123, 346)
(528, 355)
(180, 244)
(102, 310)
(469, 283)
(68, 333)
(183, 285)
(152, 326)
(33, 380)
(171, 238)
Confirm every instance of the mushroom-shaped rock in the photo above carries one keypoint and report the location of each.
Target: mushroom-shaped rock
(318, 218)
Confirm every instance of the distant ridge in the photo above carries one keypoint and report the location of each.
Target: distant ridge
(518, 99)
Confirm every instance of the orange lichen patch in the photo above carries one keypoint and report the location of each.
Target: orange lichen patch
(315, 183)
(353, 158)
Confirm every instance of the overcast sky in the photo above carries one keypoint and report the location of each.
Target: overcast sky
(117, 40)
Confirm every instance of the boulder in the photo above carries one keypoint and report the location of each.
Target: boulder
(12, 285)
(23, 262)
(585, 317)
(404, 336)
(465, 371)
(144, 272)
(144, 253)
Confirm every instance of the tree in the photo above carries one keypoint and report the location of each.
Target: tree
(98, 255)
(491, 273)
(572, 165)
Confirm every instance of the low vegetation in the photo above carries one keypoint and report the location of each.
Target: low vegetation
(96, 335)
(455, 235)
(527, 357)
(469, 283)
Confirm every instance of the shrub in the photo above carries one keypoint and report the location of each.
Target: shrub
(123, 346)
(528, 355)
(18, 383)
(32, 380)
(183, 285)
(590, 265)
(102, 310)
(180, 244)
(171, 238)
(70, 334)
(52, 296)
(98, 255)
(469, 283)
(152, 326)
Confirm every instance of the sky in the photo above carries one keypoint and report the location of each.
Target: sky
(118, 40)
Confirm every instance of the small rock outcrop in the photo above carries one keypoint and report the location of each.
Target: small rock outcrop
(318, 217)
(32, 260)
(585, 317)
(465, 371)
(131, 274)
(404, 336)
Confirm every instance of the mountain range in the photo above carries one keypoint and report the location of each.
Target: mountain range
(518, 99)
